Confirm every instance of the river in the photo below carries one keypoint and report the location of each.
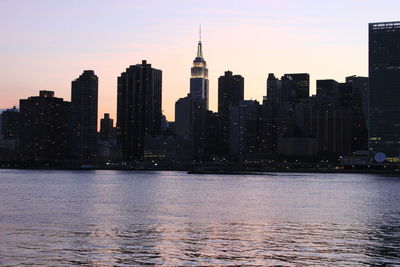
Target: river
(62, 218)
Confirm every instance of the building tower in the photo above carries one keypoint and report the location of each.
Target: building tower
(295, 87)
(384, 88)
(199, 76)
(138, 108)
(273, 89)
(45, 132)
(84, 98)
(10, 123)
(230, 94)
(106, 128)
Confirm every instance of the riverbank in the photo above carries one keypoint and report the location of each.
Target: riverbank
(208, 169)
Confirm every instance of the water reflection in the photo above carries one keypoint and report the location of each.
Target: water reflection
(214, 244)
(113, 218)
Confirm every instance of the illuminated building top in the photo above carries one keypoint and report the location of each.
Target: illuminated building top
(199, 69)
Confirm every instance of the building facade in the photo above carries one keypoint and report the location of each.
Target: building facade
(230, 94)
(384, 88)
(45, 130)
(138, 108)
(245, 126)
(199, 77)
(106, 128)
(10, 123)
(84, 100)
(295, 87)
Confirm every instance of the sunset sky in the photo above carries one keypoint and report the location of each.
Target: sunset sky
(46, 44)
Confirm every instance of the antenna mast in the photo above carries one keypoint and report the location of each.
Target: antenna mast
(200, 32)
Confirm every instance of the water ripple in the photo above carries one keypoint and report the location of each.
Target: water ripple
(193, 244)
(128, 218)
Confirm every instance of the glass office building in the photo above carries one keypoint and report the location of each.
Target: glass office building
(384, 88)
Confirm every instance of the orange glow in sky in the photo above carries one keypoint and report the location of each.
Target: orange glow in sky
(47, 44)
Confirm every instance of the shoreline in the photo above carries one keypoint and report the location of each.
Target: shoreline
(220, 171)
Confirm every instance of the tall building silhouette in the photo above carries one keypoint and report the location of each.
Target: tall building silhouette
(84, 100)
(292, 88)
(295, 87)
(45, 131)
(360, 87)
(9, 129)
(199, 76)
(138, 108)
(273, 89)
(245, 143)
(384, 88)
(183, 117)
(230, 94)
(190, 123)
(341, 120)
(106, 128)
(10, 123)
(191, 111)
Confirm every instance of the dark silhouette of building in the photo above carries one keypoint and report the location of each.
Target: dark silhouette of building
(190, 123)
(273, 89)
(191, 111)
(269, 125)
(353, 97)
(384, 84)
(106, 147)
(334, 129)
(10, 123)
(9, 131)
(295, 87)
(138, 108)
(360, 89)
(214, 150)
(341, 121)
(106, 128)
(183, 117)
(287, 114)
(298, 146)
(45, 133)
(327, 89)
(230, 94)
(166, 151)
(164, 123)
(245, 127)
(199, 77)
(84, 100)
(290, 88)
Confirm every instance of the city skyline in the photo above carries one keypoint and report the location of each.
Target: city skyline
(51, 48)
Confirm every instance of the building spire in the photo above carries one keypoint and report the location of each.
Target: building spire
(199, 46)
(200, 33)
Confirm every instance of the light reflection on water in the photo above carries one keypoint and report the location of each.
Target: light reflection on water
(170, 218)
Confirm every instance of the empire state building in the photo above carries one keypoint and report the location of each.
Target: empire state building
(199, 78)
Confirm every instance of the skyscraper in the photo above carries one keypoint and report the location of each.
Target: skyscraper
(291, 88)
(199, 76)
(230, 94)
(295, 87)
(190, 121)
(183, 117)
(9, 128)
(273, 89)
(45, 132)
(191, 111)
(106, 128)
(360, 87)
(84, 98)
(384, 88)
(10, 123)
(138, 108)
(245, 143)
